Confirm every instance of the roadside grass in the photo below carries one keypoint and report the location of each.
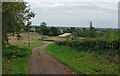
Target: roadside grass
(32, 45)
(18, 65)
(83, 62)
(37, 51)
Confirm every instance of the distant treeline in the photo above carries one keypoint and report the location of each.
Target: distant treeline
(78, 32)
(87, 28)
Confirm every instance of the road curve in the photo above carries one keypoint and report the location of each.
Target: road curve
(43, 63)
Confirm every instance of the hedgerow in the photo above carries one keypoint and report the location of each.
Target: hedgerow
(92, 45)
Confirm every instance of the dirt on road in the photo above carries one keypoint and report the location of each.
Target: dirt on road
(42, 63)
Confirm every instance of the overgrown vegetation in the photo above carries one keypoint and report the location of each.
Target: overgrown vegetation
(16, 56)
(84, 62)
(15, 60)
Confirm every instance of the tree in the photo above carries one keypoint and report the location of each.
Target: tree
(43, 23)
(51, 33)
(28, 17)
(73, 28)
(111, 35)
(14, 16)
(28, 26)
(43, 29)
(91, 25)
(84, 29)
(55, 31)
(92, 31)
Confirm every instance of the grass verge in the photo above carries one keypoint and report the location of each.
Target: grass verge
(83, 62)
(38, 52)
(18, 65)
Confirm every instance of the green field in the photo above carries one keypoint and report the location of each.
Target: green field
(83, 62)
(18, 65)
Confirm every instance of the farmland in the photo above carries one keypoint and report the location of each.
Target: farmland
(78, 46)
(83, 55)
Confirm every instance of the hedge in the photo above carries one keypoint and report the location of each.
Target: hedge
(93, 45)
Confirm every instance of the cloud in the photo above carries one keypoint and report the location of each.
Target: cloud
(46, 4)
(69, 11)
(108, 6)
(75, 13)
(49, 5)
(73, 4)
(77, 4)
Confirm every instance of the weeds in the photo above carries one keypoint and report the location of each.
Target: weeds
(84, 62)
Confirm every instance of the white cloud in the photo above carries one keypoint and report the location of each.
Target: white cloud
(45, 4)
(75, 13)
(77, 4)
(69, 11)
(55, 4)
(105, 6)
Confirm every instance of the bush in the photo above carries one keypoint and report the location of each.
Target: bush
(93, 45)
(7, 53)
(15, 51)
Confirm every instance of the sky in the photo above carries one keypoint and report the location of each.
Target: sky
(75, 13)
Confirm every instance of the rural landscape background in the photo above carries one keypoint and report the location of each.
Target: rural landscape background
(60, 38)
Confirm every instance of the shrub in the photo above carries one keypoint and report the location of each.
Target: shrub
(15, 51)
(7, 53)
(93, 45)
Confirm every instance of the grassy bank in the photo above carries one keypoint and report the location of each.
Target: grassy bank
(22, 53)
(83, 62)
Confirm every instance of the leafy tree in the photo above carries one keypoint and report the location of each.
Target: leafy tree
(111, 35)
(84, 29)
(101, 33)
(92, 31)
(50, 33)
(43, 29)
(73, 28)
(37, 29)
(55, 31)
(43, 23)
(74, 33)
(14, 16)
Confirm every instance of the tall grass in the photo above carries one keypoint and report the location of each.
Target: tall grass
(18, 65)
(83, 62)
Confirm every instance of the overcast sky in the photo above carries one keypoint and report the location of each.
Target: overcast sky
(77, 13)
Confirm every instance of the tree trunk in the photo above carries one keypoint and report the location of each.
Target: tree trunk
(28, 36)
